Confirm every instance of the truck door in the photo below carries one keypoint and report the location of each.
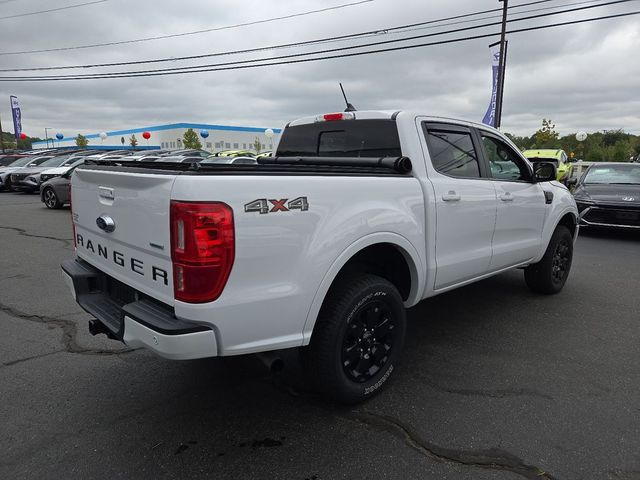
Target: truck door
(521, 204)
(465, 203)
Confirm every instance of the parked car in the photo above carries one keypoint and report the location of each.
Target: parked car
(608, 195)
(54, 193)
(321, 246)
(69, 164)
(27, 179)
(6, 173)
(235, 153)
(182, 158)
(559, 157)
(230, 160)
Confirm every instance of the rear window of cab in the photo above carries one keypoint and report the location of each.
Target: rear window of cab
(344, 138)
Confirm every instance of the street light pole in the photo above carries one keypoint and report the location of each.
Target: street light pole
(1, 137)
(501, 64)
(46, 135)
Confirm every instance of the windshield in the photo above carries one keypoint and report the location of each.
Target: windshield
(39, 161)
(21, 162)
(53, 162)
(345, 138)
(6, 161)
(620, 174)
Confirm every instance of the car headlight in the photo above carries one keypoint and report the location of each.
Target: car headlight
(32, 179)
(47, 177)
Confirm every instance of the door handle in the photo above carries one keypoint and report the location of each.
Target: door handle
(451, 196)
(506, 197)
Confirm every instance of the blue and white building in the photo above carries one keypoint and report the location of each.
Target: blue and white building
(221, 137)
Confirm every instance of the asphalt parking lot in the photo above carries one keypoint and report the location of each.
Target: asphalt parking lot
(496, 383)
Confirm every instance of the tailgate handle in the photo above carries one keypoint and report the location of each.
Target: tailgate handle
(106, 192)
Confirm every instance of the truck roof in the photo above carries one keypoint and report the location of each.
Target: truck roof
(390, 114)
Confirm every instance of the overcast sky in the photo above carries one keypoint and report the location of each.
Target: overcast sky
(583, 77)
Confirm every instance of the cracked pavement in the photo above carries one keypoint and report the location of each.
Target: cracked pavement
(496, 383)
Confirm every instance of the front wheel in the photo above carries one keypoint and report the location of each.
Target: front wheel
(357, 339)
(50, 199)
(549, 275)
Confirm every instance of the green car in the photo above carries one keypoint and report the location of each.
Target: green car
(559, 157)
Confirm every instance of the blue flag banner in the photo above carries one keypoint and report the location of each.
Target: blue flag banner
(490, 116)
(17, 116)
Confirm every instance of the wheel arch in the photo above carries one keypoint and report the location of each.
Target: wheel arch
(405, 270)
(570, 221)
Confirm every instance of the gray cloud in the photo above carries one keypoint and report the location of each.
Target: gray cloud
(583, 77)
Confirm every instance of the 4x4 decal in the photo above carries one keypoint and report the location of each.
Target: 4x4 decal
(264, 205)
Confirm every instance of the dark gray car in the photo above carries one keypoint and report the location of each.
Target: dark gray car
(54, 193)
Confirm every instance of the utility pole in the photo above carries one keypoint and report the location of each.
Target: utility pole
(1, 137)
(502, 64)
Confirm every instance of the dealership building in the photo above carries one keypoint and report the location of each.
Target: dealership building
(220, 137)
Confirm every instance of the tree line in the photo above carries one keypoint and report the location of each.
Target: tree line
(603, 146)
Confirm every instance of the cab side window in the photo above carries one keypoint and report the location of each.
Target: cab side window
(504, 163)
(452, 153)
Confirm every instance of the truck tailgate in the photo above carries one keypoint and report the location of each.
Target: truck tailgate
(137, 251)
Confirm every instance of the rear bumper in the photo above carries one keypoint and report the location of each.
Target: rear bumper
(135, 319)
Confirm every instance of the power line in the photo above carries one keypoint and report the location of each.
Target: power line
(317, 52)
(195, 32)
(386, 31)
(68, 7)
(330, 57)
(160, 37)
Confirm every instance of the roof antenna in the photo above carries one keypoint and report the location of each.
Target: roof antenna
(350, 108)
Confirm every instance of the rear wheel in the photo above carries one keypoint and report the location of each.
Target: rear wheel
(550, 273)
(357, 339)
(50, 198)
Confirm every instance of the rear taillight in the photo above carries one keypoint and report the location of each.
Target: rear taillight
(202, 249)
(73, 224)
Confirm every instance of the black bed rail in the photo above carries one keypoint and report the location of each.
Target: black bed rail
(397, 164)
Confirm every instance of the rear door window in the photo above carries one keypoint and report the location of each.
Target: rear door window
(452, 151)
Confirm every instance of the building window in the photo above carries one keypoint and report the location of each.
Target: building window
(244, 145)
(235, 145)
(208, 144)
(179, 143)
(263, 145)
(218, 144)
(227, 145)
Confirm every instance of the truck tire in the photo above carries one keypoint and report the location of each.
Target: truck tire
(549, 275)
(357, 339)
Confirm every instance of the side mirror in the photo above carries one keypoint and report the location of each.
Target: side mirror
(571, 182)
(544, 171)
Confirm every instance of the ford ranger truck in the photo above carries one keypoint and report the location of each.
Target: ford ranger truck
(357, 216)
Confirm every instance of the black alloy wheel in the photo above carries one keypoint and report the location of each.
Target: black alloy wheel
(368, 342)
(561, 261)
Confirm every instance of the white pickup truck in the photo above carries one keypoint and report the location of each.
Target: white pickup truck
(357, 216)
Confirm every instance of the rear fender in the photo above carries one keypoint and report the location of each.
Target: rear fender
(410, 253)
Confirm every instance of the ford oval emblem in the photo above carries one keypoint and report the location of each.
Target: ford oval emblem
(106, 223)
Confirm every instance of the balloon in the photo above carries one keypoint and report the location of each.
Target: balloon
(204, 133)
(103, 135)
(59, 136)
(268, 133)
(146, 135)
(23, 135)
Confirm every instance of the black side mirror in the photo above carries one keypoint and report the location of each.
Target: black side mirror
(571, 182)
(544, 171)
